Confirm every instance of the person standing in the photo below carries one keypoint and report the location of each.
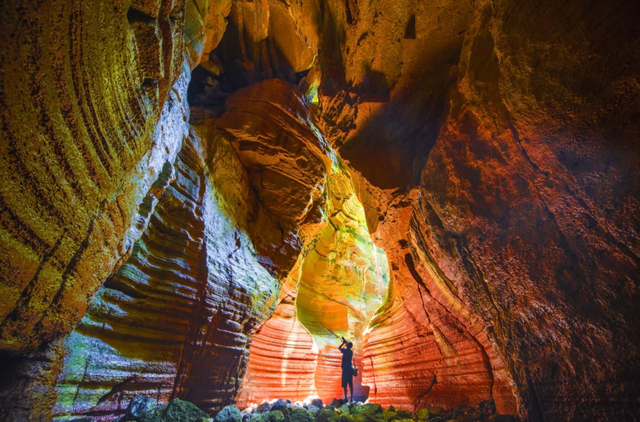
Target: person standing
(347, 367)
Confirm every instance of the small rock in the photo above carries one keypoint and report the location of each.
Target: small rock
(181, 411)
(246, 416)
(335, 403)
(422, 415)
(280, 405)
(297, 414)
(434, 410)
(317, 403)
(313, 409)
(138, 406)
(229, 414)
(264, 407)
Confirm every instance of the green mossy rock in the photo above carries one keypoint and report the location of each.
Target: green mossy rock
(344, 409)
(272, 416)
(371, 408)
(422, 415)
(297, 414)
(327, 415)
(390, 415)
(181, 411)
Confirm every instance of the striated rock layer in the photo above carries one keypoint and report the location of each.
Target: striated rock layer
(423, 348)
(92, 111)
(283, 358)
(175, 304)
(177, 318)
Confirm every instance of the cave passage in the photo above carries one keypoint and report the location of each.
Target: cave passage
(338, 284)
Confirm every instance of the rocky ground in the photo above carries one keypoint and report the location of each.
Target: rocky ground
(145, 409)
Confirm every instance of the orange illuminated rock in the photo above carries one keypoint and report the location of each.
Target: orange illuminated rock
(179, 315)
(271, 128)
(283, 359)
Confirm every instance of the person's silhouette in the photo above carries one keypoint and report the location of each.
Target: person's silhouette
(347, 371)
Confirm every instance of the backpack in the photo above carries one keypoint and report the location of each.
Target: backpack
(354, 371)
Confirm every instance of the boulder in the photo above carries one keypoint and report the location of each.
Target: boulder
(272, 416)
(313, 409)
(371, 408)
(317, 403)
(421, 415)
(335, 403)
(345, 408)
(264, 407)
(280, 405)
(181, 411)
(229, 414)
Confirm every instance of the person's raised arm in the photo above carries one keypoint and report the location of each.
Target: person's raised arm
(344, 342)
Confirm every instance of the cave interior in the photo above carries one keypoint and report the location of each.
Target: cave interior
(200, 198)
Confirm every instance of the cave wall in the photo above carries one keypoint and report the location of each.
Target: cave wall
(178, 317)
(283, 357)
(527, 200)
(92, 110)
(178, 302)
(523, 209)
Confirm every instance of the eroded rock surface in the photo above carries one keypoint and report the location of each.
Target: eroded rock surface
(283, 357)
(176, 303)
(522, 201)
(178, 318)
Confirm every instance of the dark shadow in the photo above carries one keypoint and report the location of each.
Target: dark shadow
(410, 30)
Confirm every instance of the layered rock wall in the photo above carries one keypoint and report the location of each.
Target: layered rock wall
(518, 227)
(177, 303)
(528, 197)
(178, 318)
(89, 120)
(283, 358)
